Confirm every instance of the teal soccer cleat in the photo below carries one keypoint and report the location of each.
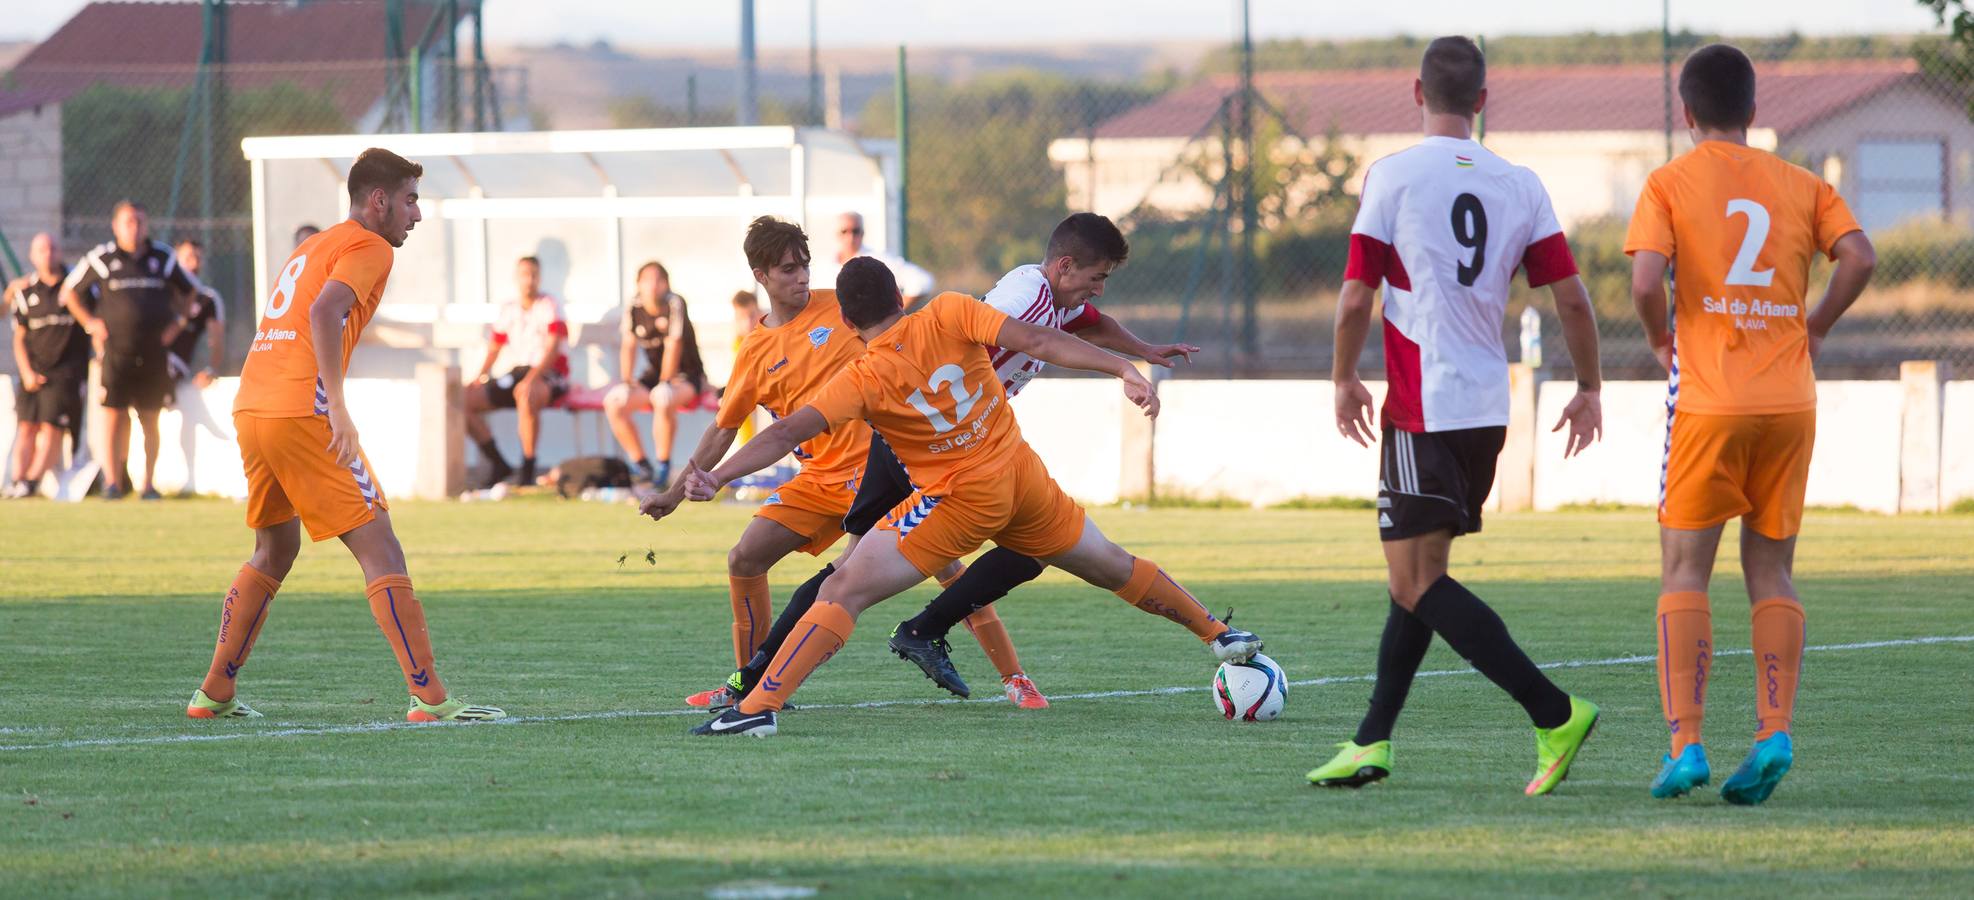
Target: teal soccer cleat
(1683, 773)
(1760, 772)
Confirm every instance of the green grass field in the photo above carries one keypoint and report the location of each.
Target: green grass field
(106, 788)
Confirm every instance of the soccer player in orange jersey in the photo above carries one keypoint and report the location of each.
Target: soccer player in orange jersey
(299, 444)
(1739, 226)
(800, 345)
(928, 386)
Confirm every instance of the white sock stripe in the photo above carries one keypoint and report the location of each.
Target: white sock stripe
(310, 730)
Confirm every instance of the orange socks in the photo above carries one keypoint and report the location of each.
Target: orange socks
(239, 623)
(752, 615)
(402, 619)
(1153, 591)
(817, 636)
(986, 626)
(1686, 650)
(1778, 640)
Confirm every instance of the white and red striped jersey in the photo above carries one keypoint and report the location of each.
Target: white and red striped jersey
(1443, 225)
(1024, 294)
(523, 334)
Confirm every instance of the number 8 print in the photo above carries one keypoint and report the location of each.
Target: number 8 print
(284, 290)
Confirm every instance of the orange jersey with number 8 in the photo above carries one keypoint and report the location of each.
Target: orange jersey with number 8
(279, 378)
(1741, 227)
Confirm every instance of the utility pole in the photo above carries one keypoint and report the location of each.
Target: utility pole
(1250, 344)
(815, 71)
(748, 112)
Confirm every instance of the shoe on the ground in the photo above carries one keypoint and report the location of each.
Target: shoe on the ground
(1023, 693)
(1555, 748)
(933, 656)
(1760, 772)
(1354, 765)
(204, 707)
(113, 492)
(16, 491)
(497, 471)
(150, 493)
(661, 474)
(452, 710)
(720, 697)
(733, 721)
(1236, 646)
(1680, 774)
(524, 476)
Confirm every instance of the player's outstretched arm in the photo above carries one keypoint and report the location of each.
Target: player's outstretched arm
(1071, 352)
(713, 445)
(773, 443)
(1584, 414)
(1648, 295)
(1111, 334)
(1353, 399)
(325, 322)
(1855, 259)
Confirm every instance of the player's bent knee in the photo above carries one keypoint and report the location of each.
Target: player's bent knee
(661, 397)
(617, 400)
(744, 562)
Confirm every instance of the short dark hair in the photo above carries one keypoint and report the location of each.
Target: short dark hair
(131, 205)
(769, 239)
(377, 168)
(1453, 72)
(1089, 239)
(747, 299)
(654, 264)
(530, 261)
(867, 291)
(188, 242)
(309, 227)
(1717, 84)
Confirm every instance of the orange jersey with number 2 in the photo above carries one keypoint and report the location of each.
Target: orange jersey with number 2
(1741, 227)
(279, 378)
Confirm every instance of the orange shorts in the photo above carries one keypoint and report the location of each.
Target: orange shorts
(1720, 467)
(290, 473)
(811, 508)
(1019, 508)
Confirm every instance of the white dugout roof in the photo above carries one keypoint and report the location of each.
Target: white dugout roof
(593, 206)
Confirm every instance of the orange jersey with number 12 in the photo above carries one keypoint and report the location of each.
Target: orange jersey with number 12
(279, 379)
(929, 387)
(1741, 227)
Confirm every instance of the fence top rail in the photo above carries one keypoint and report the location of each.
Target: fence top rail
(768, 137)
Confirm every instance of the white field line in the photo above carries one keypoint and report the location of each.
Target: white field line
(310, 730)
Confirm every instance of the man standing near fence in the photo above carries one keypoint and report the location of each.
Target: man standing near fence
(1741, 226)
(204, 315)
(1443, 226)
(913, 280)
(135, 278)
(52, 353)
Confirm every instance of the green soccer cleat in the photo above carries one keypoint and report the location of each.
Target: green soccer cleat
(204, 707)
(1555, 748)
(452, 710)
(1682, 773)
(1354, 766)
(1760, 772)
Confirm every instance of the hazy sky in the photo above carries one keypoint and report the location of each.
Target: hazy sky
(709, 24)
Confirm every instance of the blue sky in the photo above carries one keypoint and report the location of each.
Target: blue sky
(713, 24)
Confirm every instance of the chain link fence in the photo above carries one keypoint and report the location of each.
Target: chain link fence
(1238, 204)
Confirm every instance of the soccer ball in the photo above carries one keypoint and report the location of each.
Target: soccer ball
(1251, 691)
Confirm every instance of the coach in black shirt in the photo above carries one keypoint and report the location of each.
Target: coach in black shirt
(52, 353)
(135, 280)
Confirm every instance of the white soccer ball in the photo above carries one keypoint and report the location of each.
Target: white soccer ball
(1251, 691)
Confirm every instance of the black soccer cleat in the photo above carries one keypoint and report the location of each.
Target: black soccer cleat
(933, 656)
(1236, 646)
(733, 721)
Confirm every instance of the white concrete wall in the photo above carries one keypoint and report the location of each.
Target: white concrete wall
(1260, 441)
(31, 179)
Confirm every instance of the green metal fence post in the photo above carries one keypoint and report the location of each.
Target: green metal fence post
(904, 122)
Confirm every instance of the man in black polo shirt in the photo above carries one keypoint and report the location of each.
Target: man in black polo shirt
(204, 314)
(52, 353)
(134, 279)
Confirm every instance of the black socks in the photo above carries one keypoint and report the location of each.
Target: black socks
(1473, 630)
(1404, 644)
(990, 578)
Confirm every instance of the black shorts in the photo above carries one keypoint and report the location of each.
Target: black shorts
(1436, 480)
(649, 380)
(885, 485)
(141, 379)
(57, 403)
(500, 388)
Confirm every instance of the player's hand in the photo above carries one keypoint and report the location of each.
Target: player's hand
(204, 379)
(1663, 353)
(342, 436)
(658, 504)
(96, 329)
(1140, 393)
(700, 486)
(1354, 412)
(1168, 355)
(1815, 346)
(1585, 416)
(32, 381)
